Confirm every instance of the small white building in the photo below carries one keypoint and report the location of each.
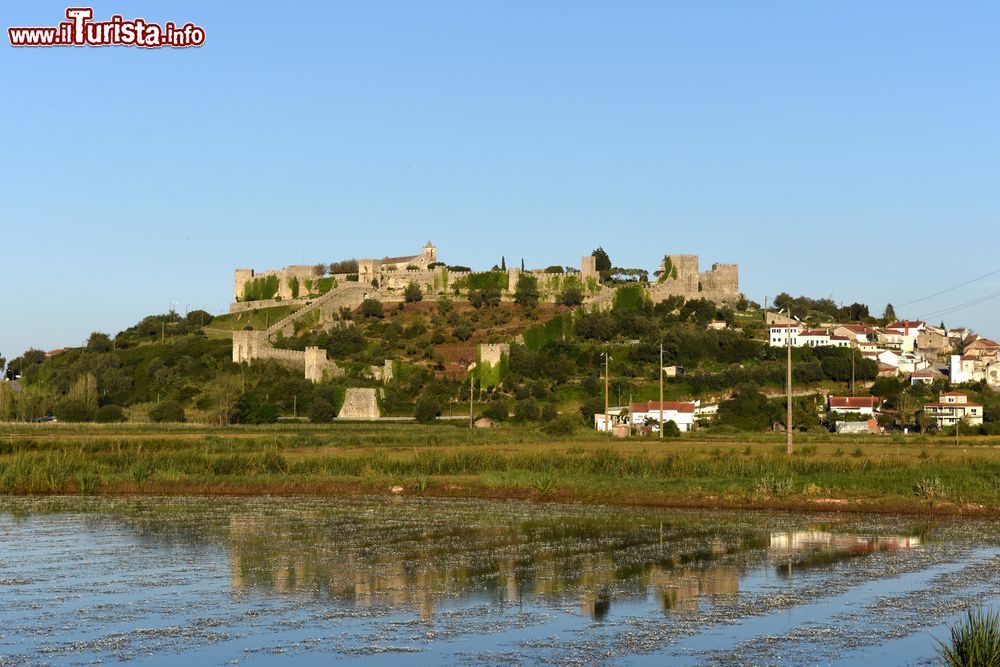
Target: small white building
(650, 412)
(781, 335)
(862, 405)
(616, 415)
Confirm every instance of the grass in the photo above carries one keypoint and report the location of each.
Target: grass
(975, 641)
(509, 462)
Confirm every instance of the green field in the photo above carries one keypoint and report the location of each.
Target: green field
(853, 473)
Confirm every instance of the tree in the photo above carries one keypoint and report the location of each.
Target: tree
(412, 293)
(99, 342)
(321, 411)
(526, 292)
(747, 410)
(427, 409)
(199, 318)
(671, 429)
(252, 408)
(72, 410)
(603, 262)
(372, 308)
(890, 313)
(167, 411)
(109, 414)
(571, 296)
(503, 263)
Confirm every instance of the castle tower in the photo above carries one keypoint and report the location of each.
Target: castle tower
(430, 253)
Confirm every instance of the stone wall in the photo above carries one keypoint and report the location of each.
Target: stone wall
(360, 403)
(492, 353)
(719, 284)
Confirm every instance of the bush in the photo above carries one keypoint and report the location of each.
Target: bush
(252, 408)
(526, 411)
(526, 292)
(427, 409)
(975, 640)
(372, 308)
(564, 425)
(167, 411)
(109, 414)
(70, 410)
(571, 296)
(671, 430)
(321, 411)
(412, 293)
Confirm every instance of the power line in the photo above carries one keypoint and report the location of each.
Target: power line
(961, 306)
(950, 289)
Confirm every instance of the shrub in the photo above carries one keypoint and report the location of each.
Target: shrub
(427, 409)
(671, 430)
(70, 410)
(526, 292)
(412, 293)
(563, 425)
(975, 640)
(167, 411)
(109, 414)
(571, 296)
(321, 411)
(372, 308)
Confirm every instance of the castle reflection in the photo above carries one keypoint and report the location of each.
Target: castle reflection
(569, 562)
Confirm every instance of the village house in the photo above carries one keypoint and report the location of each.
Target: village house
(953, 406)
(680, 413)
(858, 333)
(927, 376)
(783, 335)
(862, 405)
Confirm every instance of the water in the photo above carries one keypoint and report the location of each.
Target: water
(384, 581)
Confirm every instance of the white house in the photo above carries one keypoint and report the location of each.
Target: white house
(781, 334)
(681, 413)
(953, 406)
(813, 338)
(862, 405)
(615, 415)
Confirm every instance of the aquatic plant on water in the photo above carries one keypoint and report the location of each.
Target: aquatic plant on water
(975, 641)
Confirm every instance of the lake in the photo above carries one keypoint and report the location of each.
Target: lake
(421, 581)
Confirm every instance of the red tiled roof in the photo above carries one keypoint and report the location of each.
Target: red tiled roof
(913, 324)
(858, 328)
(954, 393)
(814, 332)
(654, 406)
(855, 401)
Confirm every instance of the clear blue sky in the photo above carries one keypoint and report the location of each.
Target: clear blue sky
(844, 149)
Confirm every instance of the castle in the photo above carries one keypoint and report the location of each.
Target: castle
(313, 289)
(386, 278)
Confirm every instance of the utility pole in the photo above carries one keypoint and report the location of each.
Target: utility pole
(163, 332)
(607, 411)
(472, 379)
(788, 388)
(661, 388)
(852, 370)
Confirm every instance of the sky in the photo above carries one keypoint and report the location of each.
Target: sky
(842, 149)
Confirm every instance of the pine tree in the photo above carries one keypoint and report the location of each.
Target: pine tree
(522, 263)
(503, 263)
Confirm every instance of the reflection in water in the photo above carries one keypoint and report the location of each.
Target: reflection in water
(806, 549)
(377, 560)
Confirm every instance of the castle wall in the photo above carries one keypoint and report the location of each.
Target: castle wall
(491, 353)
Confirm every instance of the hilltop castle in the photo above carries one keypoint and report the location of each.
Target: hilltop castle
(313, 289)
(386, 278)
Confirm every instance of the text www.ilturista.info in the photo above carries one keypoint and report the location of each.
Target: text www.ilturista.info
(80, 30)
